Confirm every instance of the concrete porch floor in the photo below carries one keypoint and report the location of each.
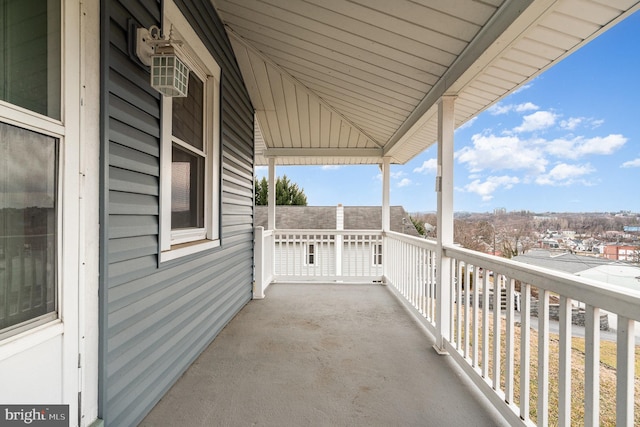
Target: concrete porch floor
(323, 355)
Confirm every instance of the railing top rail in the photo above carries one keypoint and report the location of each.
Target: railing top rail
(418, 241)
(329, 232)
(616, 299)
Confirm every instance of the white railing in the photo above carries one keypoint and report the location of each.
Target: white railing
(263, 256)
(492, 334)
(476, 336)
(410, 268)
(327, 255)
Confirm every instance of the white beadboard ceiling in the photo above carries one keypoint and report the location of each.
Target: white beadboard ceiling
(353, 81)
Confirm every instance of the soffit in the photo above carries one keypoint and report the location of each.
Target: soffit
(348, 82)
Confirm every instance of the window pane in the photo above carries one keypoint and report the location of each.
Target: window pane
(27, 225)
(30, 55)
(187, 189)
(188, 114)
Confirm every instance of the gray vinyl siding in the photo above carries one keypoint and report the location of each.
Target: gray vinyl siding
(157, 318)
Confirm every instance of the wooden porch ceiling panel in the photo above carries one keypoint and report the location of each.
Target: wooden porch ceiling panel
(350, 81)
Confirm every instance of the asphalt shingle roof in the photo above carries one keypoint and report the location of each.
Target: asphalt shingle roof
(324, 218)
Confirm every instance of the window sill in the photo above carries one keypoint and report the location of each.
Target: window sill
(184, 249)
(25, 340)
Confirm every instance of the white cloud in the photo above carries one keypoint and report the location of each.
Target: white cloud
(498, 109)
(404, 182)
(261, 170)
(571, 123)
(632, 163)
(501, 153)
(428, 166)
(468, 123)
(397, 175)
(527, 106)
(565, 174)
(537, 121)
(487, 188)
(330, 167)
(522, 88)
(580, 146)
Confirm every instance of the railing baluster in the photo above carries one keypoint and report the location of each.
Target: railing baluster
(625, 372)
(459, 301)
(510, 341)
(476, 315)
(497, 301)
(525, 333)
(466, 309)
(564, 371)
(452, 289)
(592, 367)
(485, 324)
(543, 358)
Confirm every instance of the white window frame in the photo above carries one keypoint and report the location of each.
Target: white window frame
(377, 253)
(178, 243)
(62, 321)
(308, 254)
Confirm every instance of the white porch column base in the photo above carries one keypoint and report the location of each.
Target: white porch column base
(258, 244)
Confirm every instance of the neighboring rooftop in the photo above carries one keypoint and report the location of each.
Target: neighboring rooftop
(605, 270)
(324, 218)
(564, 261)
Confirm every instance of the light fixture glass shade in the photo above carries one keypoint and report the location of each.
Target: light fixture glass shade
(169, 75)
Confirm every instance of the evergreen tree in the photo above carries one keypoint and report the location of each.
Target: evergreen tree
(287, 192)
(261, 191)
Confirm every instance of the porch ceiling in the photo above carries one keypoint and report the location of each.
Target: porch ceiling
(352, 81)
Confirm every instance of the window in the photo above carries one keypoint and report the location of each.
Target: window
(377, 254)
(30, 79)
(311, 254)
(30, 76)
(28, 212)
(190, 150)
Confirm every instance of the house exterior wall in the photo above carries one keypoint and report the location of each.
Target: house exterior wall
(56, 361)
(156, 317)
(358, 260)
(620, 253)
(292, 259)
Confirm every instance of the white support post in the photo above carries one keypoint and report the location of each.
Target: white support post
(339, 239)
(444, 188)
(271, 196)
(385, 167)
(386, 179)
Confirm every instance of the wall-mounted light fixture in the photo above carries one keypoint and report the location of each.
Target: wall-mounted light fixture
(169, 73)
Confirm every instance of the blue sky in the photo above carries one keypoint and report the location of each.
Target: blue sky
(569, 141)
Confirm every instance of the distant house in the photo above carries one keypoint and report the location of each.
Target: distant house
(621, 252)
